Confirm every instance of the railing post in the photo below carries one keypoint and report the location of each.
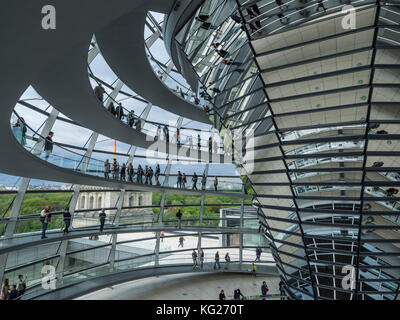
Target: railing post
(241, 227)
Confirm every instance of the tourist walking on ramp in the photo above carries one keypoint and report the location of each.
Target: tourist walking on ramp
(264, 289)
(181, 239)
(258, 254)
(201, 259)
(102, 217)
(216, 263)
(194, 180)
(227, 260)
(107, 168)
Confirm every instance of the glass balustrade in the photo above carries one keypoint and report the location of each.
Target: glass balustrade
(66, 158)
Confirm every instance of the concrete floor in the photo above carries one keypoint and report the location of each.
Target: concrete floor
(192, 286)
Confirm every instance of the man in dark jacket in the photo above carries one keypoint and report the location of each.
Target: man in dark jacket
(48, 145)
(120, 111)
(67, 220)
(107, 168)
(179, 181)
(258, 254)
(123, 172)
(194, 180)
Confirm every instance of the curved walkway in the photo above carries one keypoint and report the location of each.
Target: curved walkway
(79, 288)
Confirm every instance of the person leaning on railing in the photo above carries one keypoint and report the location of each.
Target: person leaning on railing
(194, 180)
(157, 174)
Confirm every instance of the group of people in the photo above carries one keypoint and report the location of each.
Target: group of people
(125, 172)
(217, 265)
(45, 219)
(182, 180)
(11, 292)
(133, 120)
(199, 258)
(237, 294)
(128, 173)
(20, 129)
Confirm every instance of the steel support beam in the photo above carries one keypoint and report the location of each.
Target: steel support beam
(23, 187)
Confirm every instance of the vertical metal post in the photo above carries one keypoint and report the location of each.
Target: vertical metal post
(201, 212)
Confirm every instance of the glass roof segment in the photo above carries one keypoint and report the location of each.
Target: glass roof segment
(330, 97)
